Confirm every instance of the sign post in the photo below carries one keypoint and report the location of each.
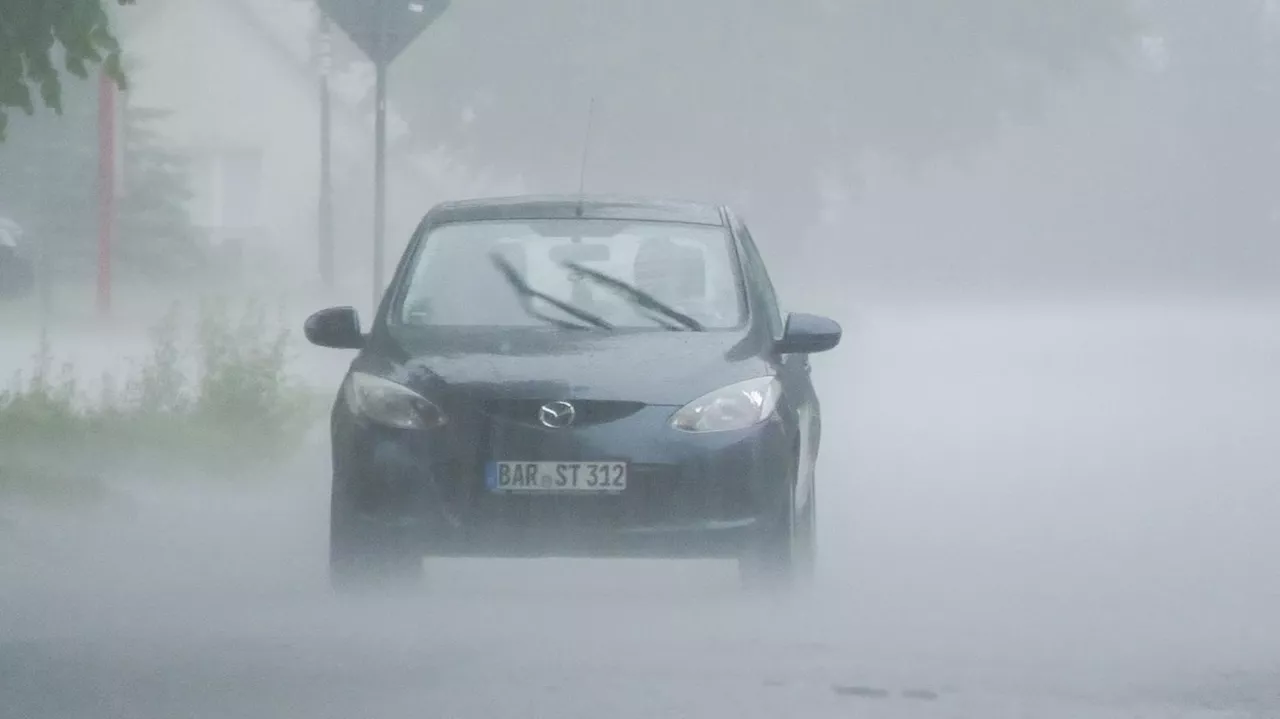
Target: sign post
(382, 29)
(325, 214)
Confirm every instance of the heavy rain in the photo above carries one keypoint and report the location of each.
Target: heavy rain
(1047, 471)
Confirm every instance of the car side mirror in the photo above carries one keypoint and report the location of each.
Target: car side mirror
(807, 334)
(336, 327)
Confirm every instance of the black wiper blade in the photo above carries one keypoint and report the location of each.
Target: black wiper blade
(527, 294)
(640, 297)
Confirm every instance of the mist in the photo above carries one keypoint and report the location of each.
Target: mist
(1047, 471)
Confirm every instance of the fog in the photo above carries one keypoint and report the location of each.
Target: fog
(1047, 477)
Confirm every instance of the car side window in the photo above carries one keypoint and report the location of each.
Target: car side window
(755, 265)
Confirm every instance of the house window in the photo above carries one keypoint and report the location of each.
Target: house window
(227, 184)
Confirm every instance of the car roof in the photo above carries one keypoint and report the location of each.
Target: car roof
(611, 207)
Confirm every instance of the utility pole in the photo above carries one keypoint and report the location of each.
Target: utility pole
(107, 167)
(325, 213)
(379, 184)
(382, 29)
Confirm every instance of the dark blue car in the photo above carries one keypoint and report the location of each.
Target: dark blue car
(575, 377)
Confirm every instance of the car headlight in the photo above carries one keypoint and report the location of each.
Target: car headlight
(737, 406)
(388, 403)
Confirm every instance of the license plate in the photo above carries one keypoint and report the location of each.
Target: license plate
(556, 477)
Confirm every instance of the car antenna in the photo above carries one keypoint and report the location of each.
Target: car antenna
(586, 146)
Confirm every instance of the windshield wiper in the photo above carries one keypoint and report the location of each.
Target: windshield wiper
(640, 298)
(527, 294)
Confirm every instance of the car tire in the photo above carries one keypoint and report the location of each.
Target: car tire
(783, 555)
(365, 556)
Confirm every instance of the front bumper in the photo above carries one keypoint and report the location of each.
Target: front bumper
(688, 495)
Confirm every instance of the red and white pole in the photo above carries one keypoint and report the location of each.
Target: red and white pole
(106, 187)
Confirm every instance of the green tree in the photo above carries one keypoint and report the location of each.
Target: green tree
(48, 178)
(31, 31)
(1221, 95)
(1154, 176)
(48, 183)
(154, 227)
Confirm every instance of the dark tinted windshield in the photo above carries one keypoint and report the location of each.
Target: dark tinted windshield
(531, 273)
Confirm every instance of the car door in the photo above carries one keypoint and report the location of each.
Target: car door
(793, 371)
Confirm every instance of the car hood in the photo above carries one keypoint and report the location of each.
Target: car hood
(657, 368)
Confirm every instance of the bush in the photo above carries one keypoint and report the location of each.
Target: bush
(221, 400)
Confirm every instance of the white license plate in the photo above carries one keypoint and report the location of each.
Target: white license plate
(556, 477)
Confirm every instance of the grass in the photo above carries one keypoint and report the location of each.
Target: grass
(222, 400)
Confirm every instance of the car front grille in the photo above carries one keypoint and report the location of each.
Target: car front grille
(587, 412)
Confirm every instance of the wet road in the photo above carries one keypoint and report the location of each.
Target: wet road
(1025, 514)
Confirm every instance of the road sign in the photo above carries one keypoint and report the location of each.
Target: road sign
(383, 28)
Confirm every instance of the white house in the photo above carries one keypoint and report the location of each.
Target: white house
(242, 79)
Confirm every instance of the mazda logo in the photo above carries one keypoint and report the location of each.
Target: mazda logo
(557, 415)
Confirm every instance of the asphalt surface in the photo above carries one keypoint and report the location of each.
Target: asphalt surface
(1024, 514)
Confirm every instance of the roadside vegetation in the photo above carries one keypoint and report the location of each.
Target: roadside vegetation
(220, 400)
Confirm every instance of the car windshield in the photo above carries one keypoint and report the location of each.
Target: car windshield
(578, 273)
